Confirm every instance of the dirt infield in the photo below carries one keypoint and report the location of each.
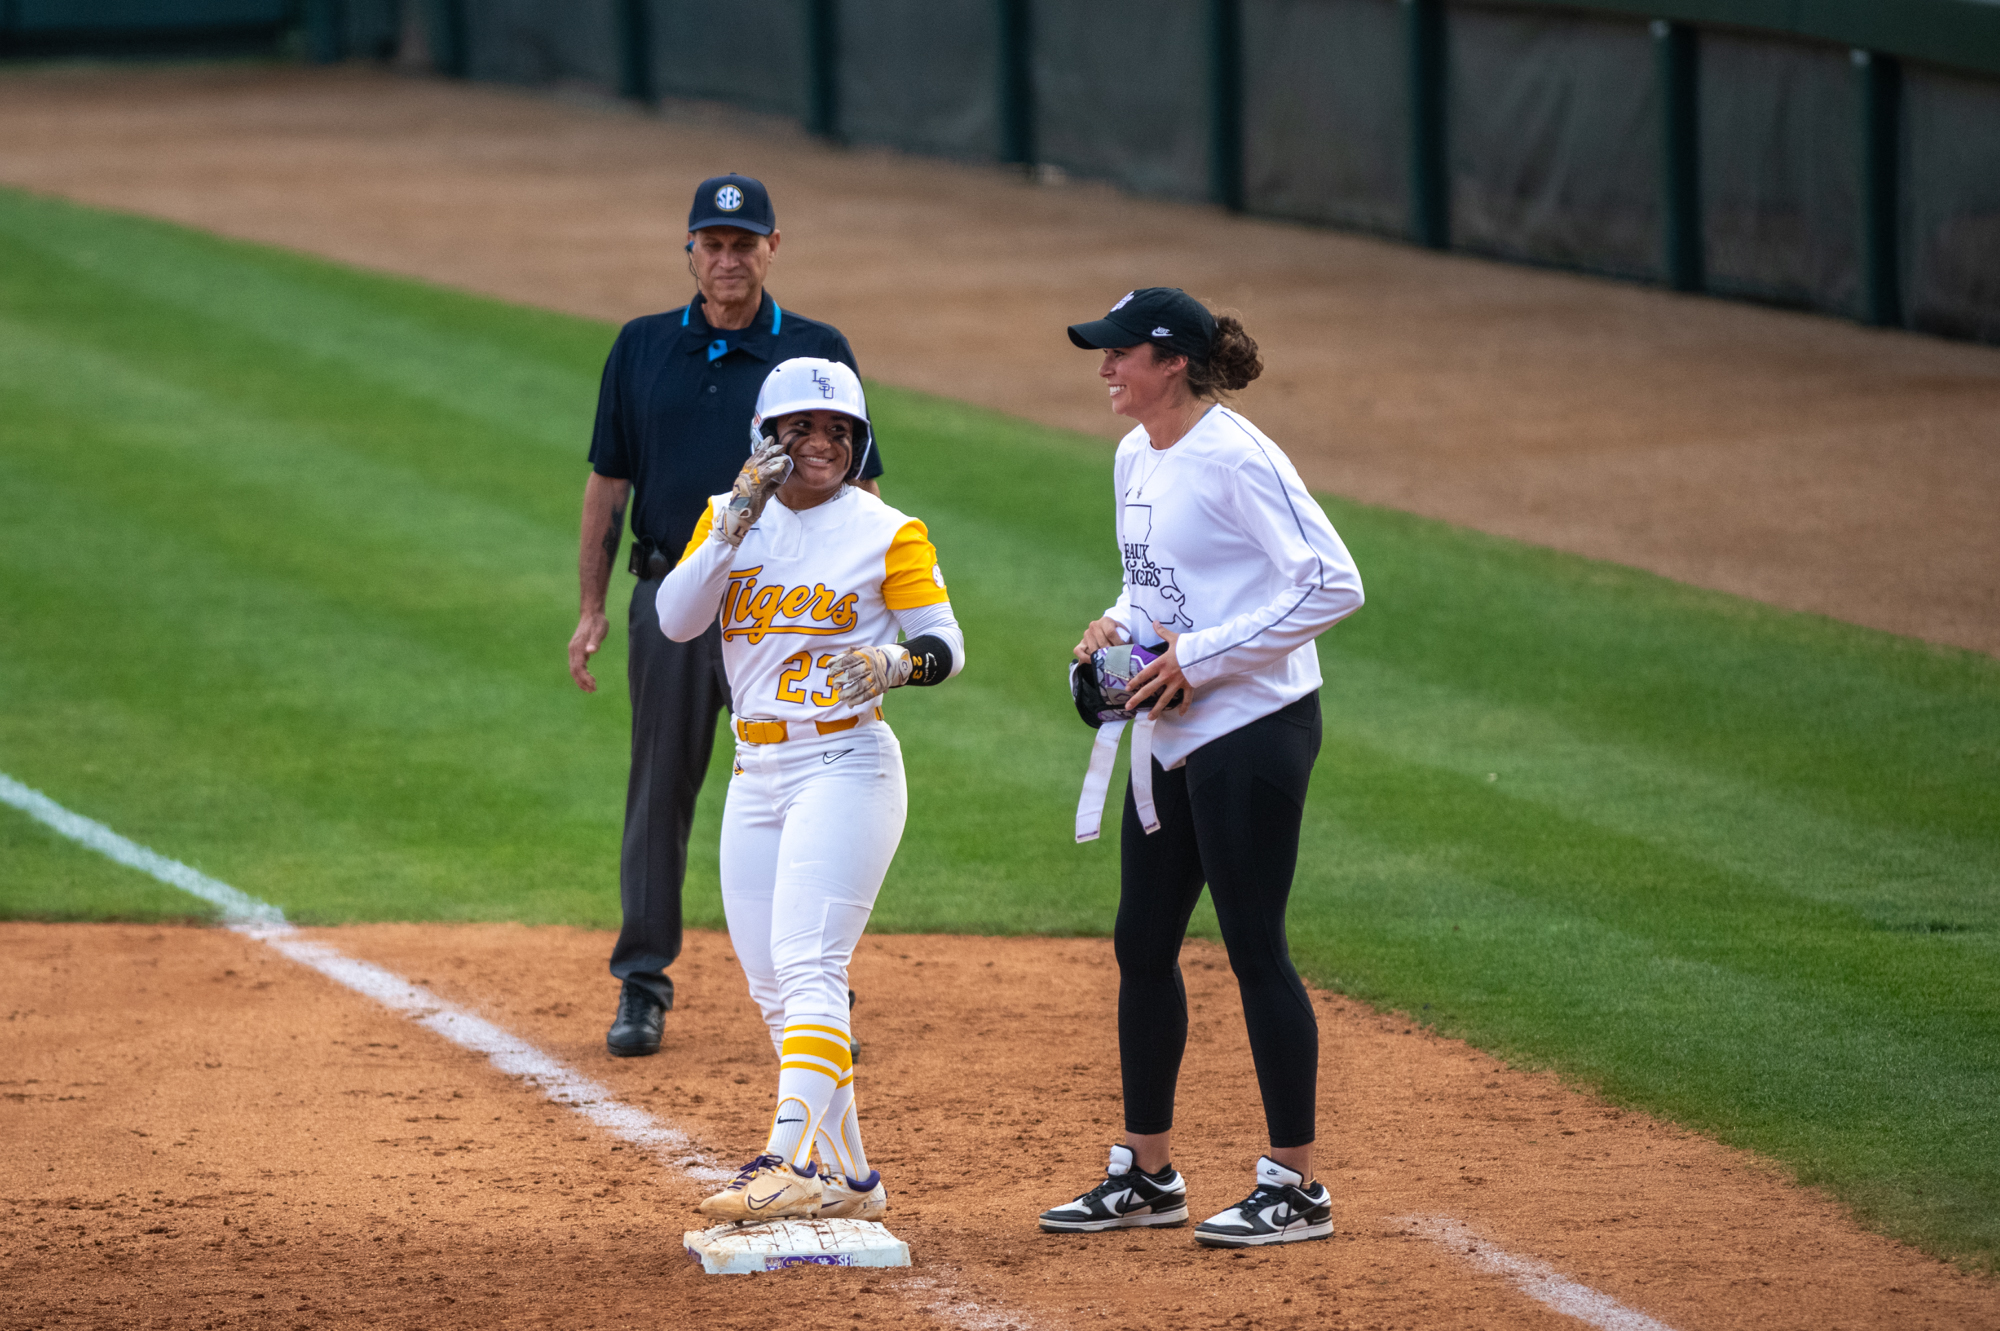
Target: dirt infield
(1792, 458)
(199, 1133)
(202, 1134)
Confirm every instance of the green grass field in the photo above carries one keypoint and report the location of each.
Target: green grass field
(287, 568)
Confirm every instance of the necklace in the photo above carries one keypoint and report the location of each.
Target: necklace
(1200, 409)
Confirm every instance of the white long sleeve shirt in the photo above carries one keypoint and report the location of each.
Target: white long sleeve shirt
(1222, 543)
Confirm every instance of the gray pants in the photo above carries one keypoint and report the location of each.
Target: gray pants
(678, 688)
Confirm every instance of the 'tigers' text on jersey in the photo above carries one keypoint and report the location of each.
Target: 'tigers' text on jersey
(750, 611)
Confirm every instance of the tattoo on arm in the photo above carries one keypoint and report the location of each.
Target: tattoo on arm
(613, 532)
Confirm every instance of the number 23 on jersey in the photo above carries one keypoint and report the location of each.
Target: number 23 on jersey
(792, 680)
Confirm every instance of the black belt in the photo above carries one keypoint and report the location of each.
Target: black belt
(650, 559)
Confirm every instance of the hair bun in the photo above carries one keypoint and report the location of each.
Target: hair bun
(1232, 356)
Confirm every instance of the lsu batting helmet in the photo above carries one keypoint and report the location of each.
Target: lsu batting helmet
(806, 383)
(1102, 689)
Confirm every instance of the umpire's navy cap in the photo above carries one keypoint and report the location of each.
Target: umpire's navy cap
(1165, 315)
(733, 200)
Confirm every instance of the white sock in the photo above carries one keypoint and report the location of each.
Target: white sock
(840, 1133)
(815, 1060)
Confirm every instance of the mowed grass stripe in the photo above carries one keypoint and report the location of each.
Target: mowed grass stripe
(286, 561)
(255, 574)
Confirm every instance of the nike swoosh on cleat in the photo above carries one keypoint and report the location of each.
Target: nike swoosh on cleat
(829, 757)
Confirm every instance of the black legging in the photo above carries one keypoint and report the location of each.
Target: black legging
(1229, 817)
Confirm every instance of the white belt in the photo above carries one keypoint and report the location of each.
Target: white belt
(1097, 780)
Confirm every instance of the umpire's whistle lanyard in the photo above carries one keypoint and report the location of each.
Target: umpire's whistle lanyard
(1097, 780)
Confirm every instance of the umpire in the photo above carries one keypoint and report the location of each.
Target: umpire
(673, 427)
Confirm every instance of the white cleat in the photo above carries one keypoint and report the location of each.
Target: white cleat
(766, 1189)
(845, 1198)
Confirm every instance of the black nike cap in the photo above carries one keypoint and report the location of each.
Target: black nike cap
(1166, 315)
(733, 200)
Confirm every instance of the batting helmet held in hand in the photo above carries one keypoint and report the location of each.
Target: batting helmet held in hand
(806, 383)
(1102, 689)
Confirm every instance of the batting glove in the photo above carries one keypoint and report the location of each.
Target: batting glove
(761, 475)
(866, 673)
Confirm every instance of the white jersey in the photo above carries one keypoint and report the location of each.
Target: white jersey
(800, 590)
(1222, 543)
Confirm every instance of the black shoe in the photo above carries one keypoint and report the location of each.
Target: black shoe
(635, 1031)
(1127, 1198)
(1283, 1209)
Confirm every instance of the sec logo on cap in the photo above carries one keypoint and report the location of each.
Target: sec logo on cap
(729, 198)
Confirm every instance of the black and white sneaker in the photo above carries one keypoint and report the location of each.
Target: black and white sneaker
(1128, 1197)
(1282, 1210)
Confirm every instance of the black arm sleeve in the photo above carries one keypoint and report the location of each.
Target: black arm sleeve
(930, 659)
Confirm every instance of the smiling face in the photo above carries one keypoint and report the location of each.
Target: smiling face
(1142, 381)
(821, 445)
(730, 264)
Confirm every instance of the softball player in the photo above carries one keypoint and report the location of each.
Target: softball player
(811, 591)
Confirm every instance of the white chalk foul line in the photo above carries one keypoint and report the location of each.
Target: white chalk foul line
(506, 1051)
(237, 908)
(1538, 1280)
(264, 922)
(515, 1057)
(246, 915)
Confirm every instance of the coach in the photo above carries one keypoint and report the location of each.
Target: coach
(673, 427)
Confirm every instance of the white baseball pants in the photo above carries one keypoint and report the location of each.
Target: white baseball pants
(808, 831)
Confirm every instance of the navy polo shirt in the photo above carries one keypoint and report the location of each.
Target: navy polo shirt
(673, 412)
